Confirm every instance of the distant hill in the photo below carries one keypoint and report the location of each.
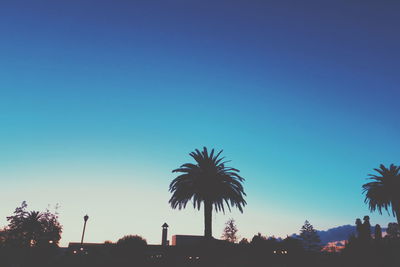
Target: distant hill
(338, 233)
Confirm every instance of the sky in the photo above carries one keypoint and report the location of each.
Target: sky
(101, 100)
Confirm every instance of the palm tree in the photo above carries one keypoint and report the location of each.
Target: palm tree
(210, 182)
(32, 225)
(384, 191)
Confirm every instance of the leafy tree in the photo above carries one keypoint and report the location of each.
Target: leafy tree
(258, 240)
(208, 182)
(13, 232)
(378, 232)
(366, 229)
(51, 226)
(359, 227)
(310, 238)
(244, 241)
(384, 192)
(131, 242)
(352, 242)
(32, 228)
(393, 231)
(292, 245)
(230, 231)
(131, 248)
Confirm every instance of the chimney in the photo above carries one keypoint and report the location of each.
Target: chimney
(164, 241)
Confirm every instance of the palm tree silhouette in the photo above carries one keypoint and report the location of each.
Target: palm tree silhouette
(33, 226)
(384, 191)
(210, 182)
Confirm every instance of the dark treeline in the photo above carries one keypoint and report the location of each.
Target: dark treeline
(211, 253)
(27, 241)
(31, 238)
(374, 247)
(363, 249)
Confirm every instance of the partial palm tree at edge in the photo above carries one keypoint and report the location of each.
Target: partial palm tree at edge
(384, 191)
(210, 182)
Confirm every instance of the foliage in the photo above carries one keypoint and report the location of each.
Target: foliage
(132, 241)
(365, 233)
(378, 232)
(383, 193)
(359, 227)
(209, 182)
(293, 245)
(33, 228)
(393, 231)
(258, 239)
(264, 243)
(230, 231)
(244, 241)
(378, 248)
(130, 248)
(310, 238)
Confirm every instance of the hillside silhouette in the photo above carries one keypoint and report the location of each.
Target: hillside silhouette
(338, 233)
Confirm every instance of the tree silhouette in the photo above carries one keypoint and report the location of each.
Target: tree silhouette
(293, 245)
(210, 182)
(131, 248)
(310, 238)
(131, 241)
(51, 227)
(33, 228)
(258, 240)
(366, 229)
(359, 227)
(378, 232)
(244, 241)
(384, 191)
(393, 231)
(230, 231)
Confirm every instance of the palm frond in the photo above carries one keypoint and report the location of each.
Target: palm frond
(207, 179)
(383, 193)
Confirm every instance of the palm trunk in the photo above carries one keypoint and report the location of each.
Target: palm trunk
(398, 217)
(207, 219)
(397, 211)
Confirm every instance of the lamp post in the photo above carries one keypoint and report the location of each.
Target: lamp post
(85, 218)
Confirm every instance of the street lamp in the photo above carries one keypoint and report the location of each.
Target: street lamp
(85, 218)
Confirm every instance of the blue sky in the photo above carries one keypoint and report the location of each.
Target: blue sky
(100, 100)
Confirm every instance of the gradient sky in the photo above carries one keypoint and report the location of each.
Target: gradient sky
(100, 100)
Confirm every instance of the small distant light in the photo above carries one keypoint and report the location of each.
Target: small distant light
(190, 258)
(274, 251)
(81, 249)
(51, 241)
(74, 251)
(197, 257)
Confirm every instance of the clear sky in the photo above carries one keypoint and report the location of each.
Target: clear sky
(100, 100)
